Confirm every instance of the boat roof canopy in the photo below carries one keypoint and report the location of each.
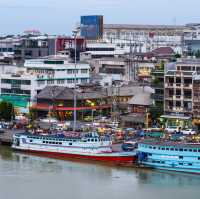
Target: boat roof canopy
(175, 117)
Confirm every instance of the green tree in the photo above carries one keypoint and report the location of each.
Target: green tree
(156, 111)
(6, 111)
(177, 55)
(197, 53)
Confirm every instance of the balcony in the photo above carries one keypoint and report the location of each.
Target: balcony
(187, 98)
(187, 86)
(175, 109)
(169, 85)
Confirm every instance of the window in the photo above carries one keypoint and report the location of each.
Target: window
(70, 81)
(190, 150)
(171, 149)
(180, 149)
(69, 71)
(194, 150)
(84, 70)
(180, 157)
(167, 149)
(70, 143)
(61, 81)
(180, 163)
(50, 81)
(189, 164)
(154, 147)
(84, 80)
(176, 149)
(198, 158)
(185, 149)
(150, 154)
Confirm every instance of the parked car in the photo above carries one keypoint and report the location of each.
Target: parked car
(185, 131)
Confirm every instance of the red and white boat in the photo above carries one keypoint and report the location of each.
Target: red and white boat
(89, 146)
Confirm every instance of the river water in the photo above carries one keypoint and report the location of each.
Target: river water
(30, 177)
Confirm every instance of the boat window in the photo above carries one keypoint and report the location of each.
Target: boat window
(190, 164)
(96, 140)
(171, 149)
(185, 149)
(31, 140)
(176, 149)
(43, 142)
(198, 158)
(190, 150)
(47, 142)
(158, 148)
(154, 147)
(92, 140)
(150, 154)
(180, 157)
(88, 140)
(150, 147)
(180, 163)
(167, 149)
(180, 149)
(163, 148)
(198, 150)
(70, 143)
(60, 142)
(194, 150)
(162, 162)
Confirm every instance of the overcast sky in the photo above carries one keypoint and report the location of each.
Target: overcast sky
(60, 16)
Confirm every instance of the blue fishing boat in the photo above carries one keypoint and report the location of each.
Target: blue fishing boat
(173, 156)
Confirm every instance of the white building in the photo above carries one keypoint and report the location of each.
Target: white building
(42, 72)
(96, 50)
(144, 38)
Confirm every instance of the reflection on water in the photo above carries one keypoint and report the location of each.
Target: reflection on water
(22, 175)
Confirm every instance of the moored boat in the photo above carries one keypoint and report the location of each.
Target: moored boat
(90, 146)
(173, 156)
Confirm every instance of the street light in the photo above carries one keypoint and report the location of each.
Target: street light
(75, 97)
(93, 104)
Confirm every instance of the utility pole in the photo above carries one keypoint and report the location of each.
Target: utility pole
(75, 97)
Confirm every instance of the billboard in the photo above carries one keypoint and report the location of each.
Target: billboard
(92, 27)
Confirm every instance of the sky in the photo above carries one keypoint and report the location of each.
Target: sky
(61, 16)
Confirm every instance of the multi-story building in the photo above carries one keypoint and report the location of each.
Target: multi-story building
(144, 38)
(40, 73)
(35, 47)
(178, 92)
(196, 99)
(158, 84)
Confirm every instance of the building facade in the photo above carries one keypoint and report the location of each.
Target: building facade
(37, 74)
